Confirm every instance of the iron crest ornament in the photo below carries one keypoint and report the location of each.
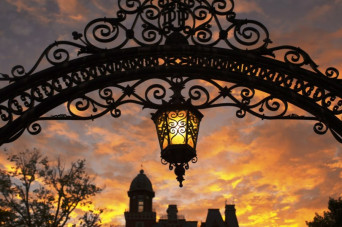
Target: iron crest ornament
(152, 45)
(206, 23)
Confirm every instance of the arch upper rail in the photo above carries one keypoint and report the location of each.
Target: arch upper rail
(137, 57)
(95, 85)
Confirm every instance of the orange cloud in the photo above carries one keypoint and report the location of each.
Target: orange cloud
(73, 9)
(247, 6)
(319, 11)
(36, 10)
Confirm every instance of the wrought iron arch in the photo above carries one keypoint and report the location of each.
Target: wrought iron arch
(154, 50)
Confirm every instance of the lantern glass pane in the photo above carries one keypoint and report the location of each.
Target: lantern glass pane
(177, 127)
(177, 123)
(162, 129)
(193, 123)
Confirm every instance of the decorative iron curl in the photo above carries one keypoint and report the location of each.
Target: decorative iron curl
(271, 104)
(247, 35)
(18, 71)
(87, 108)
(54, 54)
(104, 31)
(241, 113)
(223, 7)
(333, 103)
(164, 162)
(34, 128)
(186, 166)
(247, 94)
(298, 57)
(196, 93)
(116, 113)
(128, 7)
(332, 73)
(5, 114)
(320, 128)
(107, 95)
(20, 103)
(158, 93)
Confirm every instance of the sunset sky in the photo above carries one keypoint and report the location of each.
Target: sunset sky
(278, 173)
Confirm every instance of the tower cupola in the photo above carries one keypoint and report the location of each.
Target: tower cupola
(140, 195)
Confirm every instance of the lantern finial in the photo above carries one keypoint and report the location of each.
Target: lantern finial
(180, 172)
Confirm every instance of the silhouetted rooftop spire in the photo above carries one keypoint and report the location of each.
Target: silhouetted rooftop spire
(230, 213)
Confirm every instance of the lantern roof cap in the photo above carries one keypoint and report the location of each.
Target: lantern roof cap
(177, 106)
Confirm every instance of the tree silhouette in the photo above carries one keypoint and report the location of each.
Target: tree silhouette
(331, 218)
(33, 193)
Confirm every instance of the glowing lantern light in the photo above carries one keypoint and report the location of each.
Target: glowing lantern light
(177, 128)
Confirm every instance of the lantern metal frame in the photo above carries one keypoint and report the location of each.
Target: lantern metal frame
(177, 156)
(153, 44)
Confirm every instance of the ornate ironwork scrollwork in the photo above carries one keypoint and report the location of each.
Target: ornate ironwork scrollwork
(243, 98)
(213, 45)
(196, 22)
(190, 22)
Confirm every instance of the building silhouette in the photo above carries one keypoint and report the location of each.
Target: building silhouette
(140, 195)
(141, 213)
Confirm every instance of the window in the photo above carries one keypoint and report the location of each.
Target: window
(140, 206)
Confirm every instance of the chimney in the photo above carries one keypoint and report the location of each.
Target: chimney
(231, 219)
(172, 212)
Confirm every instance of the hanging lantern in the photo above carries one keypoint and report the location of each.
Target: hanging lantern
(177, 128)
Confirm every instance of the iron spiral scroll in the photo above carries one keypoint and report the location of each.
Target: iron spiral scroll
(136, 57)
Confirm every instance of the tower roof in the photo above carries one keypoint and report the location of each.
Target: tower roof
(141, 183)
(214, 218)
